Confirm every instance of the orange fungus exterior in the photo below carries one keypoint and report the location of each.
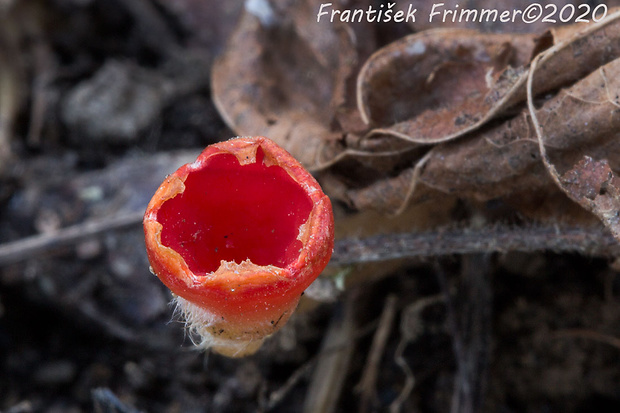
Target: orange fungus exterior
(237, 236)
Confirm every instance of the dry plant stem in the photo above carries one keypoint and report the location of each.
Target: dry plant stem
(469, 321)
(276, 397)
(589, 335)
(321, 164)
(592, 241)
(112, 327)
(411, 327)
(539, 132)
(33, 246)
(417, 170)
(367, 385)
(399, 359)
(606, 204)
(333, 366)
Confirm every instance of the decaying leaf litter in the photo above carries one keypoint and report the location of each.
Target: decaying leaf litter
(438, 128)
(445, 108)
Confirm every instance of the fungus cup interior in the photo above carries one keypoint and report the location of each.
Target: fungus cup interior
(234, 212)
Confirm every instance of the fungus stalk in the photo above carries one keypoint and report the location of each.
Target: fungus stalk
(237, 236)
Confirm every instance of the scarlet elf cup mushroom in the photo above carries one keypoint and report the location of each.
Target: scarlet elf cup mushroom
(237, 236)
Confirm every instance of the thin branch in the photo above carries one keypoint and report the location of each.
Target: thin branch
(367, 385)
(591, 241)
(30, 247)
(469, 320)
(589, 335)
(328, 379)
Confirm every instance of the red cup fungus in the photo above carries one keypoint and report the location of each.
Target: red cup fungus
(237, 236)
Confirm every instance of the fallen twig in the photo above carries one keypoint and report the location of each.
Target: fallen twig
(367, 385)
(594, 241)
(588, 335)
(30, 247)
(591, 241)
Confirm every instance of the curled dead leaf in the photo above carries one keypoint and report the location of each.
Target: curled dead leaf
(420, 81)
(505, 158)
(594, 186)
(441, 84)
(288, 78)
(496, 153)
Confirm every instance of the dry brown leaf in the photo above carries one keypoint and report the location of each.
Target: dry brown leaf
(501, 158)
(441, 84)
(431, 86)
(288, 77)
(594, 186)
(505, 158)
(446, 84)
